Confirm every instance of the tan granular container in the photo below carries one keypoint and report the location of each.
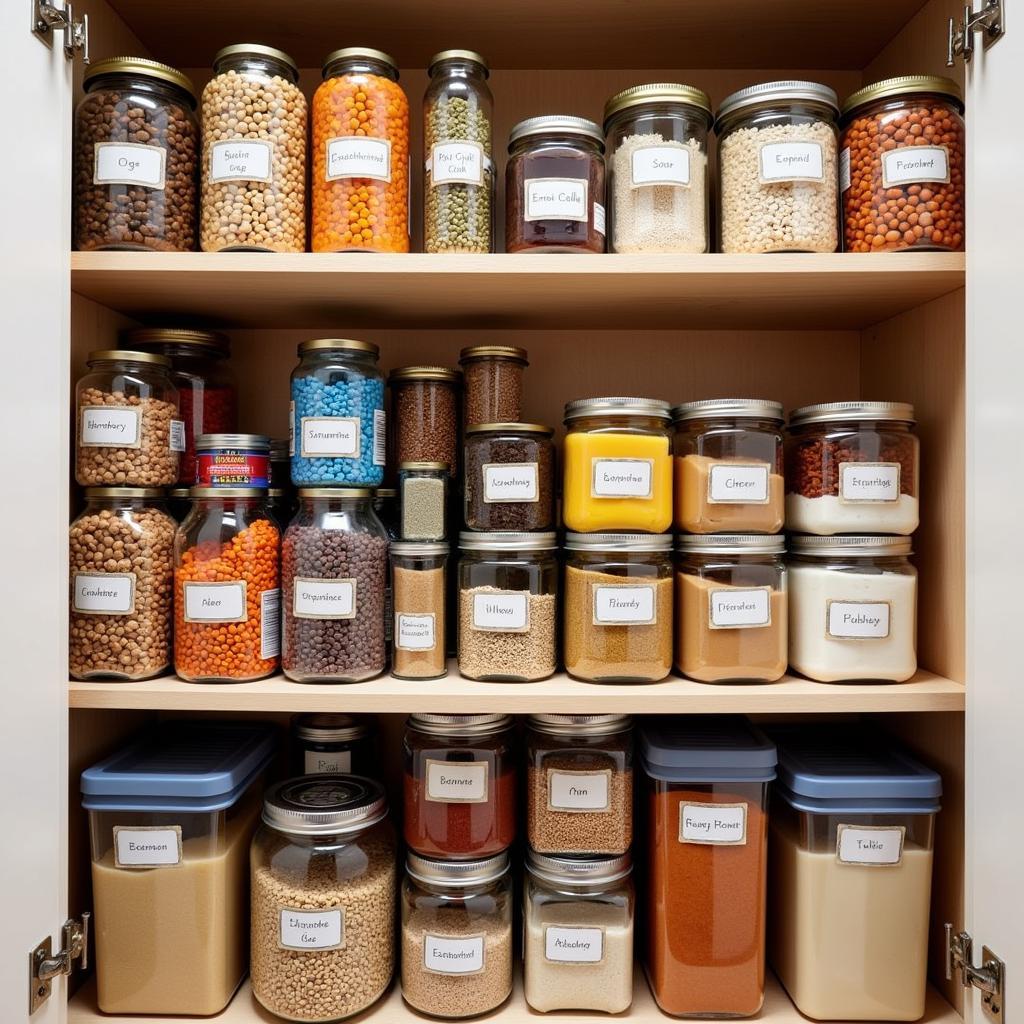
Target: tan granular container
(418, 586)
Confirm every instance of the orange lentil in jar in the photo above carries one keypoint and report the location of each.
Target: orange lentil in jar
(360, 155)
(902, 166)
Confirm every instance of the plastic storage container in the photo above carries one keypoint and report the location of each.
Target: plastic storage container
(332, 744)
(170, 820)
(423, 499)
(232, 460)
(493, 383)
(418, 573)
(425, 414)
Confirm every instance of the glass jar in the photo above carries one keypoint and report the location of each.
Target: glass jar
(902, 166)
(334, 567)
(232, 460)
(618, 607)
(617, 465)
(227, 601)
(360, 155)
(456, 935)
(280, 463)
(425, 414)
(658, 168)
(418, 586)
(852, 467)
(509, 479)
(728, 461)
(460, 785)
(337, 419)
(554, 186)
(579, 784)
(458, 184)
(121, 572)
(136, 152)
(323, 898)
(493, 383)
(128, 431)
(423, 487)
(778, 170)
(578, 933)
(254, 153)
(731, 608)
(508, 587)
(333, 744)
(863, 590)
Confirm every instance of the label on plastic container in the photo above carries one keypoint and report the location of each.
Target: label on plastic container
(659, 165)
(414, 632)
(730, 484)
(617, 606)
(380, 445)
(713, 824)
(579, 791)
(844, 170)
(456, 782)
(510, 481)
(622, 478)
(176, 436)
(315, 598)
(241, 160)
(270, 624)
(444, 955)
(915, 165)
(216, 602)
(875, 845)
(574, 945)
(147, 846)
(502, 611)
(356, 156)
(108, 426)
(458, 162)
(312, 929)
(729, 608)
(857, 620)
(556, 199)
(103, 593)
(873, 483)
(790, 161)
(329, 437)
(327, 762)
(129, 163)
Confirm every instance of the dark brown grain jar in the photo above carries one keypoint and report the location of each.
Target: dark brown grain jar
(493, 383)
(426, 414)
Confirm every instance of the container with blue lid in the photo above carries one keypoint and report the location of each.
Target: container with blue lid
(708, 748)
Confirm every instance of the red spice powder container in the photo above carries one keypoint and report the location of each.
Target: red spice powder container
(460, 798)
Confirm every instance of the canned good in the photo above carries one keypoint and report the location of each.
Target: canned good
(232, 460)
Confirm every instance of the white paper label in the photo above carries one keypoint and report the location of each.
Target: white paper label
(615, 606)
(324, 762)
(729, 607)
(713, 824)
(215, 602)
(599, 218)
(455, 782)
(556, 199)
(242, 160)
(356, 156)
(506, 611)
(574, 945)
(176, 439)
(622, 478)
(844, 170)
(461, 162)
(464, 955)
(579, 791)
(129, 163)
(312, 929)
(511, 481)
(858, 619)
(791, 161)
(106, 426)
(729, 484)
(103, 593)
(414, 632)
(380, 446)
(156, 846)
(659, 165)
(330, 437)
(324, 599)
(270, 624)
(876, 845)
(869, 482)
(915, 165)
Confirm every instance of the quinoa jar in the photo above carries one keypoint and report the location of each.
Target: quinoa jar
(493, 383)
(902, 166)
(618, 607)
(136, 152)
(332, 744)
(418, 574)
(778, 168)
(426, 414)
(658, 180)
(323, 898)
(554, 186)
(423, 499)
(852, 467)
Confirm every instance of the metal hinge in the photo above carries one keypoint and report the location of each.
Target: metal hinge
(48, 17)
(961, 37)
(989, 978)
(44, 965)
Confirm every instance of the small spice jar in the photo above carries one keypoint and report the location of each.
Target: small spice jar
(617, 465)
(128, 431)
(579, 788)
(658, 181)
(232, 460)
(731, 608)
(334, 568)
(418, 585)
(578, 933)
(852, 467)
(728, 461)
(493, 376)
(337, 418)
(331, 744)
(508, 586)
(554, 186)
(360, 155)
(778, 168)
(456, 935)
(323, 898)
(510, 477)
(460, 785)
(618, 607)
(423, 490)
(426, 414)
(458, 186)
(902, 166)
(227, 601)
(136, 151)
(121, 573)
(852, 608)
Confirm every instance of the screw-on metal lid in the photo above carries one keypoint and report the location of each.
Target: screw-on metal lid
(460, 725)
(905, 85)
(835, 412)
(456, 874)
(125, 492)
(510, 428)
(657, 93)
(237, 491)
(336, 492)
(385, 492)
(260, 442)
(213, 341)
(421, 467)
(254, 50)
(754, 408)
(433, 373)
(338, 345)
(769, 93)
(580, 725)
(415, 547)
(618, 542)
(470, 55)
(118, 355)
(731, 543)
(511, 353)
(850, 545)
(324, 805)
(140, 66)
(329, 728)
(507, 541)
(556, 124)
(578, 870)
(355, 53)
(616, 406)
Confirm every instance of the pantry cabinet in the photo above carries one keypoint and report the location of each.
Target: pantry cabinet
(939, 330)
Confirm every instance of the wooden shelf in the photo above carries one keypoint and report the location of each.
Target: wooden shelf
(550, 291)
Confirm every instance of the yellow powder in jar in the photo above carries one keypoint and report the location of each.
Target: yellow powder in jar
(696, 514)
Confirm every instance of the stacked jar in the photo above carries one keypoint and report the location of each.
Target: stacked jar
(332, 744)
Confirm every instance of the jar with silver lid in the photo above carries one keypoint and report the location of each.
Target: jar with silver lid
(232, 460)
(329, 744)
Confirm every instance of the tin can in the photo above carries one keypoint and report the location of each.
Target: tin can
(232, 460)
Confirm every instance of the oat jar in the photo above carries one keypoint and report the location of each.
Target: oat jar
(493, 391)
(902, 166)
(332, 744)
(778, 168)
(323, 898)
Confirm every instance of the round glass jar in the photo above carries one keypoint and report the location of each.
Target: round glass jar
(778, 172)
(903, 163)
(423, 490)
(728, 466)
(332, 744)
(337, 419)
(618, 607)
(227, 601)
(458, 183)
(460, 785)
(334, 568)
(852, 467)
(617, 465)
(232, 460)
(121, 573)
(554, 186)
(579, 784)
(456, 935)
(136, 151)
(360, 155)
(509, 479)
(128, 433)
(418, 573)
(508, 587)
(493, 383)
(658, 180)
(425, 414)
(578, 933)
(323, 898)
(731, 608)
(852, 608)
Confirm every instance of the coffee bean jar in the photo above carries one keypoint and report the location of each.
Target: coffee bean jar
(136, 151)
(425, 414)
(493, 383)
